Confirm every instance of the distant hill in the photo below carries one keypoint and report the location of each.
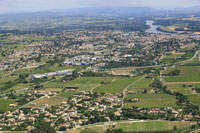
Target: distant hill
(81, 11)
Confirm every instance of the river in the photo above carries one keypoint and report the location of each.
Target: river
(153, 28)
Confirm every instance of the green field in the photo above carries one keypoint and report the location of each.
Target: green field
(4, 104)
(83, 87)
(91, 80)
(2, 73)
(116, 86)
(195, 99)
(17, 87)
(172, 58)
(52, 101)
(140, 126)
(151, 100)
(66, 94)
(187, 74)
(141, 85)
(179, 88)
(7, 79)
(151, 126)
(53, 84)
(50, 68)
(23, 71)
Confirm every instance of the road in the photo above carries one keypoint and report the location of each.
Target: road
(125, 90)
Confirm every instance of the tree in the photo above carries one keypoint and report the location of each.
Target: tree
(44, 127)
(175, 128)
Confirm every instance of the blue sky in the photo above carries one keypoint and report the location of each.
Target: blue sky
(7, 6)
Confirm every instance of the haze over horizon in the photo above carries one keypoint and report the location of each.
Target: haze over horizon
(12, 6)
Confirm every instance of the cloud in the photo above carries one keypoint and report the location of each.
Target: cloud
(35, 5)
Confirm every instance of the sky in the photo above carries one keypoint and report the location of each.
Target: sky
(9, 6)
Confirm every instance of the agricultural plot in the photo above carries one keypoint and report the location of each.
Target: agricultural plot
(141, 85)
(51, 101)
(7, 79)
(172, 58)
(195, 99)
(187, 74)
(151, 126)
(17, 87)
(116, 86)
(139, 126)
(179, 88)
(83, 87)
(66, 94)
(151, 100)
(51, 89)
(4, 104)
(55, 84)
(121, 71)
(23, 71)
(91, 80)
(2, 73)
(50, 68)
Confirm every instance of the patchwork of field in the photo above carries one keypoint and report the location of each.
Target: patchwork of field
(151, 100)
(51, 101)
(116, 86)
(141, 85)
(135, 126)
(187, 74)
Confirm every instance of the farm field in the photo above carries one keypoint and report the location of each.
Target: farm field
(52, 101)
(151, 100)
(7, 79)
(141, 85)
(4, 104)
(54, 84)
(65, 94)
(187, 74)
(195, 99)
(83, 87)
(140, 126)
(116, 86)
(51, 89)
(151, 126)
(50, 68)
(17, 87)
(2, 73)
(172, 58)
(84, 83)
(121, 71)
(179, 88)
(91, 80)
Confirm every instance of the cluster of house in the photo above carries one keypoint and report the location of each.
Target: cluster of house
(68, 111)
(63, 72)
(107, 45)
(72, 112)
